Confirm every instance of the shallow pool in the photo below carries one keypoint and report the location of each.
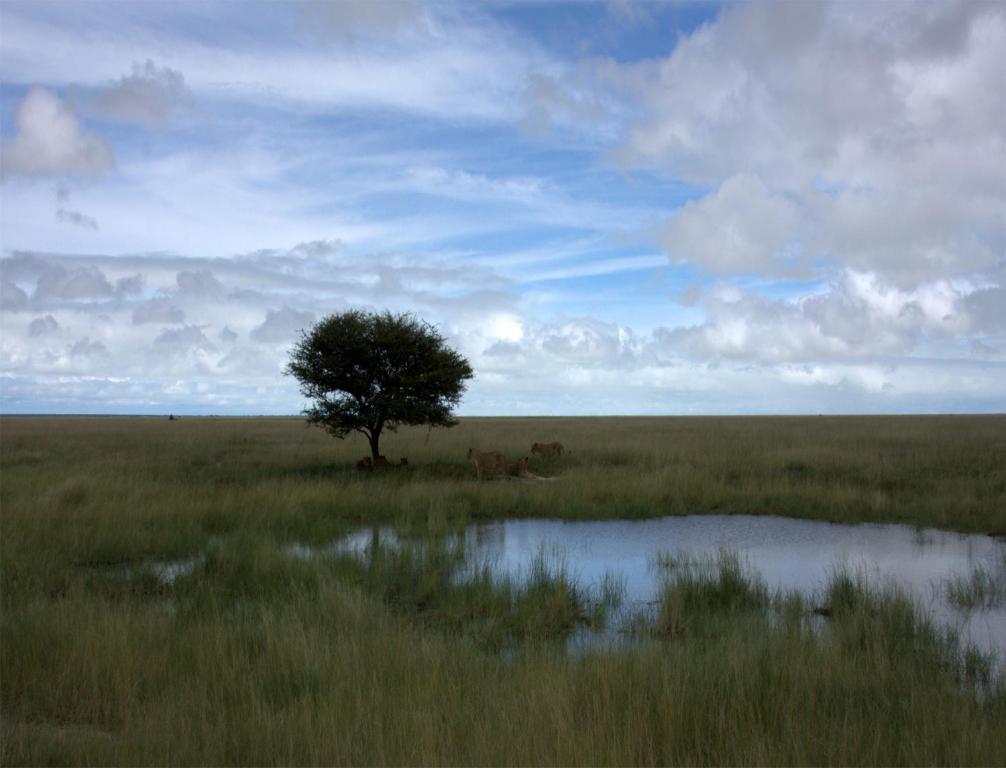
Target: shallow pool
(789, 554)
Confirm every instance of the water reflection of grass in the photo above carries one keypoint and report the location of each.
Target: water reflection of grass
(432, 582)
(983, 587)
(867, 626)
(258, 656)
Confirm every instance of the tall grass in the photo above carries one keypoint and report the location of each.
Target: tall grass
(258, 656)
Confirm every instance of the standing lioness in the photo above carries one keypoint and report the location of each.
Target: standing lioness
(547, 450)
(490, 461)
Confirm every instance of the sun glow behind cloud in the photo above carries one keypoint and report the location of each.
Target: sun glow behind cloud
(740, 208)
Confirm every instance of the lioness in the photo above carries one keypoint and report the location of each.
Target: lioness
(365, 463)
(547, 450)
(519, 469)
(487, 460)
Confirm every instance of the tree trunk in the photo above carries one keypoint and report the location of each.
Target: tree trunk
(375, 438)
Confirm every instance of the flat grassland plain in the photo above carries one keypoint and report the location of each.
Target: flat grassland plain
(256, 656)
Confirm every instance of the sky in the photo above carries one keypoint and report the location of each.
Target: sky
(607, 207)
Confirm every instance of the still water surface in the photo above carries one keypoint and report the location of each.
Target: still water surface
(789, 554)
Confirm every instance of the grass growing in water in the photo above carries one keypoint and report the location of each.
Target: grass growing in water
(699, 593)
(432, 581)
(983, 587)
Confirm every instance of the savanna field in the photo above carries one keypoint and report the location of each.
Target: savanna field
(253, 656)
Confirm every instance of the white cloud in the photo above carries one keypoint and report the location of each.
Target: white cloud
(740, 228)
(221, 327)
(588, 341)
(49, 139)
(881, 126)
(807, 90)
(184, 339)
(986, 310)
(349, 20)
(632, 13)
(84, 282)
(76, 218)
(457, 64)
(126, 286)
(912, 234)
(282, 325)
(547, 351)
(157, 311)
(587, 268)
(149, 96)
(86, 347)
(857, 316)
(42, 326)
(12, 297)
(200, 283)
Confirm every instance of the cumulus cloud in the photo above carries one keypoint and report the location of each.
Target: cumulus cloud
(200, 283)
(213, 322)
(912, 234)
(126, 286)
(86, 347)
(587, 341)
(314, 249)
(570, 348)
(49, 139)
(740, 228)
(881, 126)
(808, 90)
(150, 95)
(282, 325)
(857, 316)
(184, 339)
(986, 310)
(59, 283)
(157, 311)
(42, 326)
(12, 297)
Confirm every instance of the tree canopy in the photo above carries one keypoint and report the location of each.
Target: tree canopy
(371, 372)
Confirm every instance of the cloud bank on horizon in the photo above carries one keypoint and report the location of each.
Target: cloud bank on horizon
(616, 207)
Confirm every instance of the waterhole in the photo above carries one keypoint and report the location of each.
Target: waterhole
(936, 568)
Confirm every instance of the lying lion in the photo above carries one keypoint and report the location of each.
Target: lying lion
(382, 461)
(517, 470)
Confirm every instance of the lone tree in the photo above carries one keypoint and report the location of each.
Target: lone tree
(371, 372)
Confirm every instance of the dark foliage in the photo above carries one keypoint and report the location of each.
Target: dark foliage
(374, 372)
